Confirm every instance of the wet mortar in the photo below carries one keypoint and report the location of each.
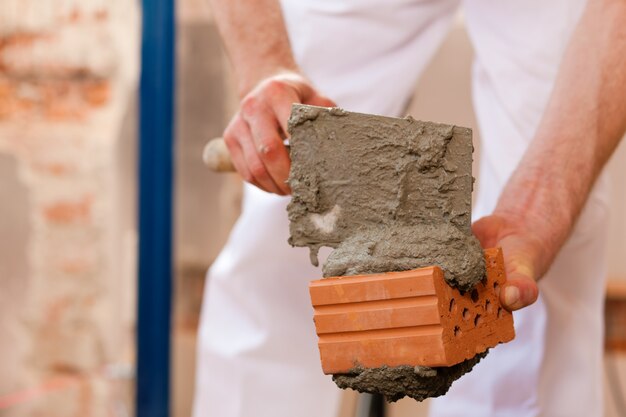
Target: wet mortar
(387, 194)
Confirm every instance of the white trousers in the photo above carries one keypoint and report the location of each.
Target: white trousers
(257, 354)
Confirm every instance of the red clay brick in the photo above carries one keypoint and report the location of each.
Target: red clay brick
(69, 211)
(96, 93)
(52, 100)
(408, 318)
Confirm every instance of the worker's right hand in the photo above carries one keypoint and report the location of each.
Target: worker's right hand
(255, 135)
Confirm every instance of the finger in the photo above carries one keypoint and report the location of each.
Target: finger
(236, 153)
(319, 100)
(282, 102)
(256, 167)
(281, 94)
(519, 291)
(487, 229)
(280, 97)
(265, 131)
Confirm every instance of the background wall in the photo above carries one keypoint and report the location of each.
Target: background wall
(68, 74)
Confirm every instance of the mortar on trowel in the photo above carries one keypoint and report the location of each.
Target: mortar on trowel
(409, 302)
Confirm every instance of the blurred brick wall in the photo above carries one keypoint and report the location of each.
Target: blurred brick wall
(68, 75)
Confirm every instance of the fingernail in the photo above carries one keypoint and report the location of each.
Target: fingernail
(511, 296)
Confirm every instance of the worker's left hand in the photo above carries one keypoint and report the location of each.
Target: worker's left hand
(522, 255)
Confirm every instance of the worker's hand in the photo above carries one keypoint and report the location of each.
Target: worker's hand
(255, 135)
(522, 257)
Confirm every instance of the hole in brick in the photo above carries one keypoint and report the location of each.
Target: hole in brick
(484, 281)
(500, 312)
(474, 295)
(488, 307)
(466, 314)
(457, 331)
(496, 288)
(478, 320)
(452, 304)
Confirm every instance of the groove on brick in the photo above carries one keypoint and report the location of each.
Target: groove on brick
(365, 335)
(378, 314)
(359, 288)
(376, 304)
(407, 349)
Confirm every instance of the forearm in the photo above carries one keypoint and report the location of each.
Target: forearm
(256, 39)
(583, 123)
(269, 82)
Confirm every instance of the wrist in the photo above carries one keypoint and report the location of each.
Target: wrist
(246, 82)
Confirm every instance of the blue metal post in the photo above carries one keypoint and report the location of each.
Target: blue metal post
(156, 146)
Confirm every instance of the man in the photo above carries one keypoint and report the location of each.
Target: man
(549, 85)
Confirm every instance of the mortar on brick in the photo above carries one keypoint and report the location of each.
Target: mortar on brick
(405, 323)
(387, 194)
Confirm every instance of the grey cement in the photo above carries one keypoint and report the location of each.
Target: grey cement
(387, 194)
(396, 383)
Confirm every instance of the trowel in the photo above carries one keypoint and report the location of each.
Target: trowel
(409, 301)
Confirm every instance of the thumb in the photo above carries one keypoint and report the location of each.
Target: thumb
(519, 291)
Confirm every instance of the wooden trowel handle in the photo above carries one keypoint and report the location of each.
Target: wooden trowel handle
(216, 156)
